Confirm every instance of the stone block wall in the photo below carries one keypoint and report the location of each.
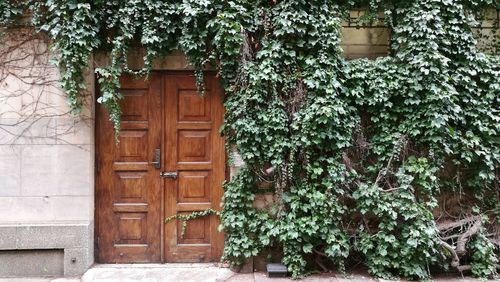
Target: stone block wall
(46, 165)
(364, 42)
(373, 41)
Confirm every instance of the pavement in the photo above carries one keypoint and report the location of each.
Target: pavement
(197, 272)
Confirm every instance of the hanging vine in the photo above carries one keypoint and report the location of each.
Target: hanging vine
(184, 218)
(358, 153)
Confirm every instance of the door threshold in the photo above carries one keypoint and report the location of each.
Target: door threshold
(161, 265)
(140, 272)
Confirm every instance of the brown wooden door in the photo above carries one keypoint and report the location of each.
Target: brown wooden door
(195, 151)
(163, 115)
(128, 189)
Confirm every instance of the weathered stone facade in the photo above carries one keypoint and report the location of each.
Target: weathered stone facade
(47, 161)
(46, 166)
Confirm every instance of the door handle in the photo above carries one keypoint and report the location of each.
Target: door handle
(168, 174)
(157, 161)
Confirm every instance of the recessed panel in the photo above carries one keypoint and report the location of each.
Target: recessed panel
(197, 231)
(134, 105)
(131, 82)
(193, 106)
(133, 146)
(194, 146)
(129, 184)
(194, 187)
(131, 228)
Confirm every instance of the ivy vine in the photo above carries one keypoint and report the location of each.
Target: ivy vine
(184, 218)
(358, 153)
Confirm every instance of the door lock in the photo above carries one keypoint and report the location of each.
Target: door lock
(169, 174)
(157, 161)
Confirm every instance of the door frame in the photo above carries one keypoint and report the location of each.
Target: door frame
(97, 139)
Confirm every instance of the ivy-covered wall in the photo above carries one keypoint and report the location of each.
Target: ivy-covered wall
(357, 154)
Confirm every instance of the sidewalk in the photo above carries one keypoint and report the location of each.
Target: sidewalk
(194, 272)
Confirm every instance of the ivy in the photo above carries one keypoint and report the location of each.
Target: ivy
(406, 233)
(484, 259)
(184, 218)
(9, 11)
(247, 230)
(75, 26)
(357, 153)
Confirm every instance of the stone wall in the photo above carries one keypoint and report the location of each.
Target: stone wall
(364, 42)
(373, 41)
(46, 165)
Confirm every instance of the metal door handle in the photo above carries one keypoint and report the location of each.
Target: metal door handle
(157, 162)
(169, 174)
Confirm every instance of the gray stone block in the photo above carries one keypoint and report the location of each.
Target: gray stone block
(7, 237)
(24, 209)
(10, 170)
(52, 236)
(71, 207)
(73, 131)
(31, 263)
(75, 169)
(77, 261)
(39, 170)
(32, 131)
(57, 170)
(34, 243)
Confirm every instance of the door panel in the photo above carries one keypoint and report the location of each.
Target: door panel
(128, 189)
(195, 150)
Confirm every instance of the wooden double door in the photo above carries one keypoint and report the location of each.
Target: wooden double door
(169, 160)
